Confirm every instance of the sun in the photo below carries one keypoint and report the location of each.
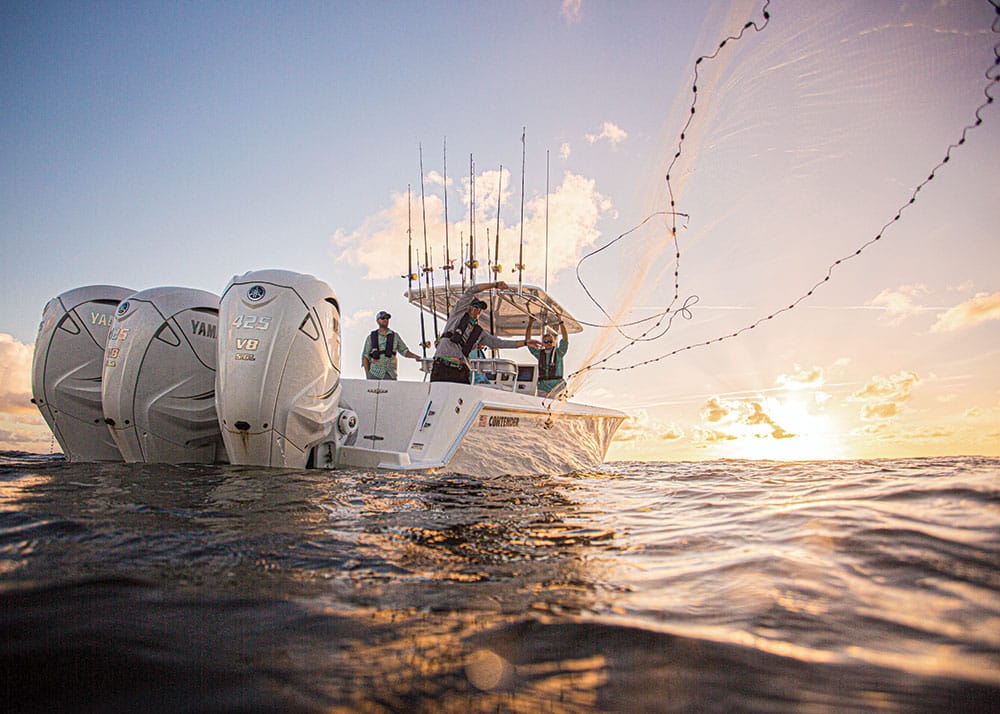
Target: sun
(792, 428)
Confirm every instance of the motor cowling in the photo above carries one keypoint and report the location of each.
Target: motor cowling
(158, 386)
(278, 381)
(66, 370)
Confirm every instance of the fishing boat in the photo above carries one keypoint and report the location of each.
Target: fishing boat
(279, 399)
(498, 424)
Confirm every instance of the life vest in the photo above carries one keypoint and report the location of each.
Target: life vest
(465, 341)
(390, 345)
(547, 367)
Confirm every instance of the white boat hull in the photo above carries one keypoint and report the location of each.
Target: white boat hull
(475, 430)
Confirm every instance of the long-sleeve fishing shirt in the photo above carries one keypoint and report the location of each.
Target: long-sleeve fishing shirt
(446, 349)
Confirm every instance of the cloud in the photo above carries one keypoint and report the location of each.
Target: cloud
(758, 416)
(33, 438)
(639, 427)
(879, 429)
(379, 245)
(564, 151)
(570, 11)
(635, 427)
(898, 387)
(15, 376)
(802, 378)
(981, 308)
(882, 396)
(930, 432)
(433, 178)
(613, 133)
(714, 411)
(879, 410)
(733, 417)
(899, 303)
(365, 316)
(712, 436)
(21, 425)
(492, 188)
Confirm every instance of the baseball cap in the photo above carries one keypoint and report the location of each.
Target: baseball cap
(383, 314)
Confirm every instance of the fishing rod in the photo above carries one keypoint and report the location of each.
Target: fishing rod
(490, 266)
(447, 253)
(546, 221)
(428, 267)
(472, 264)
(461, 252)
(520, 253)
(411, 276)
(489, 255)
(434, 303)
(424, 342)
(497, 267)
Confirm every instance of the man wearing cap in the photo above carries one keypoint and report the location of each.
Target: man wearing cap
(379, 354)
(462, 333)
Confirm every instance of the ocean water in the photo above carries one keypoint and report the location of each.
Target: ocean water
(718, 586)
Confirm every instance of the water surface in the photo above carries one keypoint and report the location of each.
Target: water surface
(727, 585)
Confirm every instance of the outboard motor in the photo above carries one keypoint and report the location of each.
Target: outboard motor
(278, 385)
(159, 377)
(66, 370)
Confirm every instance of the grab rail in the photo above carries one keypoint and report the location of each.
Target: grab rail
(500, 373)
(495, 372)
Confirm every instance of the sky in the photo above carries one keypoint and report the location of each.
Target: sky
(154, 144)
